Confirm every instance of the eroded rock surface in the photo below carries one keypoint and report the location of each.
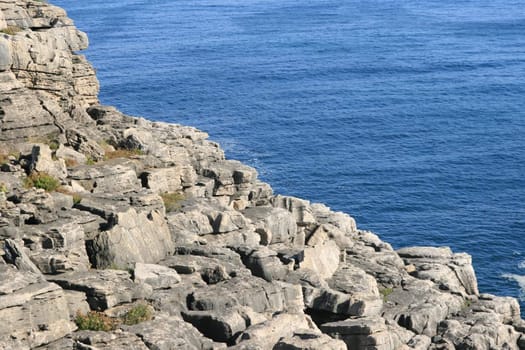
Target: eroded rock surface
(147, 228)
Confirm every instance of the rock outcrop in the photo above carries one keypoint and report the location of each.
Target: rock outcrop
(119, 232)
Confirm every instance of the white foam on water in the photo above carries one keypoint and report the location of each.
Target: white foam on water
(521, 265)
(521, 282)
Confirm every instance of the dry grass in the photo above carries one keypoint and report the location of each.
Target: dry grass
(122, 153)
(172, 200)
(42, 180)
(11, 30)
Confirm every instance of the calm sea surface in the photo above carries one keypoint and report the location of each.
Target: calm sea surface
(409, 115)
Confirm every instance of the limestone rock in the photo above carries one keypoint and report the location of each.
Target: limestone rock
(274, 225)
(453, 272)
(157, 276)
(368, 333)
(170, 333)
(33, 311)
(103, 288)
(323, 259)
(135, 237)
(306, 339)
(268, 333)
(42, 162)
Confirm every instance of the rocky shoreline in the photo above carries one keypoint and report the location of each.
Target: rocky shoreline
(118, 232)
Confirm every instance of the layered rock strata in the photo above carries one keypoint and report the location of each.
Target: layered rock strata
(102, 212)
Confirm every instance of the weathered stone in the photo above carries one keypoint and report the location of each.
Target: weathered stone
(263, 262)
(280, 326)
(274, 225)
(157, 276)
(300, 208)
(171, 333)
(255, 293)
(103, 288)
(453, 272)
(309, 340)
(323, 259)
(169, 180)
(42, 162)
(32, 311)
(115, 340)
(368, 333)
(136, 237)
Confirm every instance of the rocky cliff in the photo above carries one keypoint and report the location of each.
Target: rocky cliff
(117, 232)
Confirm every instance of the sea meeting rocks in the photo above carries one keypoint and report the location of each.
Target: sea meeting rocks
(102, 212)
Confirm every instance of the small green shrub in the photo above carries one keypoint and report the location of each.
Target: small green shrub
(139, 313)
(42, 180)
(11, 30)
(94, 321)
(385, 292)
(172, 200)
(3, 187)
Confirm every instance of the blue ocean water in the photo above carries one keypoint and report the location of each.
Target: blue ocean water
(408, 115)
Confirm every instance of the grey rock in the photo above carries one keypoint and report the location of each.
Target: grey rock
(14, 254)
(300, 208)
(135, 237)
(453, 272)
(5, 55)
(368, 333)
(269, 333)
(255, 293)
(157, 276)
(42, 162)
(170, 333)
(323, 259)
(274, 225)
(115, 340)
(103, 288)
(33, 311)
(263, 262)
(309, 340)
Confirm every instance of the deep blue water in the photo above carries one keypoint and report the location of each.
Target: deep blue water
(409, 115)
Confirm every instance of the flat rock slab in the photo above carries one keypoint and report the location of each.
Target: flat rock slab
(371, 333)
(171, 333)
(157, 276)
(104, 288)
(33, 311)
(309, 340)
(253, 292)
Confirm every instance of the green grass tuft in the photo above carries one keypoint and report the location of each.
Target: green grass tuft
(42, 180)
(94, 321)
(139, 313)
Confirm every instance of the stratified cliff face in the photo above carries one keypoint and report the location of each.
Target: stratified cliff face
(45, 85)
(176, 247)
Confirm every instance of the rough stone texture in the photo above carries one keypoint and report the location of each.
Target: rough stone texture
(368, 333)
(103, 288)
(231, 259)
(309, 340)
(33, 311)
(136, 237)
(157, 276)
(171, 333)
(453, 272)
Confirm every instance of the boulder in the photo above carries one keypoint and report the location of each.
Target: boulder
(274, 225)
(135, 237)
